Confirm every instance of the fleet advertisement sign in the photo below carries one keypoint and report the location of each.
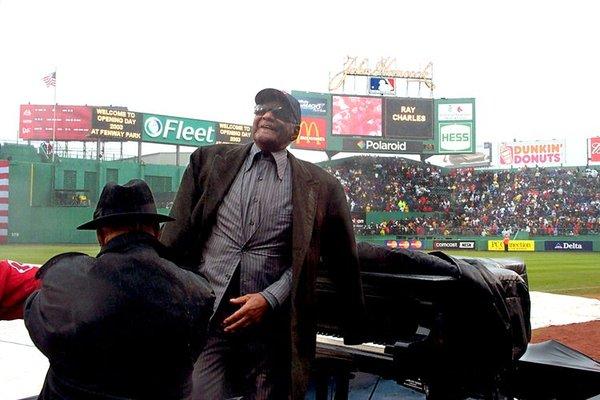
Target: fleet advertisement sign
(454, 244)
(408, 118)
(455, 125)
(116, 124)
(513, 245)
(568, 245)
(43, 122)
(595, 149)
(178, 131)
(543, 153)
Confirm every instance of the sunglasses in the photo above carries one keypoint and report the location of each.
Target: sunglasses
(278, 112)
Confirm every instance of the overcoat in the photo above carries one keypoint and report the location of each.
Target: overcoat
(321, 231)
(128, 324)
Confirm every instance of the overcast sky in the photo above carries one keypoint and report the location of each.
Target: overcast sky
(533, 66)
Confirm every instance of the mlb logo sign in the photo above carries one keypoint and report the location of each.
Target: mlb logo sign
(382, 85)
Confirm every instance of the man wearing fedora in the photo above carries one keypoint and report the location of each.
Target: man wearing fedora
(126, 324)
(256, 222)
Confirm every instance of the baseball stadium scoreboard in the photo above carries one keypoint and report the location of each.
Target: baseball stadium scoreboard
(86, 123)
(385, 124)
(330, 122)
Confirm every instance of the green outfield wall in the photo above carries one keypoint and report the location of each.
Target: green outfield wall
(48, 200)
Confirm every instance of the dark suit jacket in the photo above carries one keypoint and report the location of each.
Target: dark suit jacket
(127, 324)
(321, 228)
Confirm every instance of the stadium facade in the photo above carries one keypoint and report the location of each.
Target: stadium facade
(45, 199)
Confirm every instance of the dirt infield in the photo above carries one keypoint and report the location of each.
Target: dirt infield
(583, 337)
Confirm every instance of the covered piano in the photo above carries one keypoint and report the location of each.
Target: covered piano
(454, 326)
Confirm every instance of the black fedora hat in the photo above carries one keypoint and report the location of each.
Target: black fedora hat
(131, 201)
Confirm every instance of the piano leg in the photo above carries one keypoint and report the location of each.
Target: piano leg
(342, 385)
(321, 386)
(341, 372)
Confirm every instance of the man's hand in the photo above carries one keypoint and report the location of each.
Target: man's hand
(253, 308)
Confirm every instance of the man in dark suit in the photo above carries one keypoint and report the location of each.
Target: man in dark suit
(127, 324)
(256, 222)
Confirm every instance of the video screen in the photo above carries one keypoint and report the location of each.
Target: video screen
(356, 116)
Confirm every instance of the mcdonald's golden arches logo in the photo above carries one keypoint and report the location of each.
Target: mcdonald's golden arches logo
(312, 134)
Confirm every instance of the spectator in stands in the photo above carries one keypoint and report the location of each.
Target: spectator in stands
(127, 323)
(540, 201)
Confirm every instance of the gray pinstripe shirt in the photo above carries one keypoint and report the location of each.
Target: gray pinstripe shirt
(253, 231)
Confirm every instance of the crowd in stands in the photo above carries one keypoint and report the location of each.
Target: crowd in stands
(540, 201)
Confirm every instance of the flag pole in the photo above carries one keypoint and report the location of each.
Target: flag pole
(54, 119)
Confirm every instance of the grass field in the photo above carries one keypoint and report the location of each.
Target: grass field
(571, 273)
(39, 253)
(554, 272)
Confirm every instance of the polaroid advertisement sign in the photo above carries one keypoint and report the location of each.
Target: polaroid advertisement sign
(383, 146)
(568, 245)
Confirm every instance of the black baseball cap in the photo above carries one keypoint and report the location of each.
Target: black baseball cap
(284, 98)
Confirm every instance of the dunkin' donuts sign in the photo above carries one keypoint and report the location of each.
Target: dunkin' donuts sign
(543, 153)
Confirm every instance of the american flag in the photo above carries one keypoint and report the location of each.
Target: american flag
(50, 79)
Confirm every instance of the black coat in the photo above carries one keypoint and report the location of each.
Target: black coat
(321, 230)
(126, 324)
